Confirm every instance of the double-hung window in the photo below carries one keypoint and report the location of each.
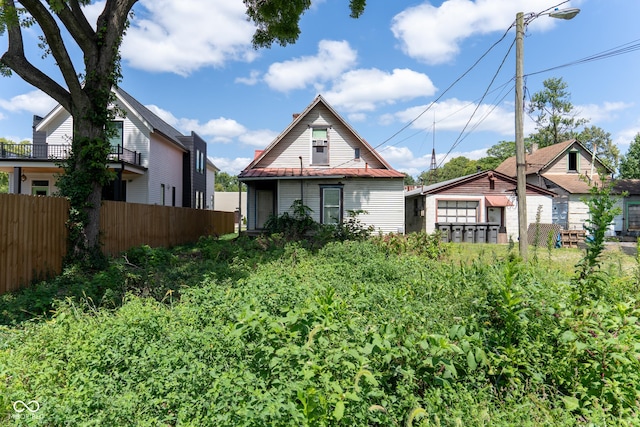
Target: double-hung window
(319, 146)
(115, 134)
(331, 204)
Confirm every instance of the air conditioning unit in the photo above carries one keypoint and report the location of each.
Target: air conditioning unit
(317, 142)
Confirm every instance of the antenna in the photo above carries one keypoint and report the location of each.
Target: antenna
(433, 165)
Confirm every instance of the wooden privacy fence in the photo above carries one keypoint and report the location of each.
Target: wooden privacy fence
(33, 236)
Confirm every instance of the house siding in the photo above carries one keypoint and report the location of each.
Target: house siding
(297, 143)
(166, 168)
(381, 198)
(561, 165)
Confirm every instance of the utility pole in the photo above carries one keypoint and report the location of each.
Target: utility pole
(521, 165)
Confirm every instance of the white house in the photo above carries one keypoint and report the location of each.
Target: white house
(154, 162)
(320, 159)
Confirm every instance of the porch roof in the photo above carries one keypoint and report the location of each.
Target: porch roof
(265, 173)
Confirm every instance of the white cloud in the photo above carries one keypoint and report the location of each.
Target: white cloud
(332, 59)
(183, 36)
(230, 166)
(403, 159)
(625, 137)
(220, 130)
(601, 113)
(253, 79)
(433, 34)
(353, 91)
(454, 114)
(36, 102)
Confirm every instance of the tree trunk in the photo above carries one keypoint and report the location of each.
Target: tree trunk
(86, 173)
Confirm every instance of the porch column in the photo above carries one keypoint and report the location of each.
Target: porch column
(17, 181)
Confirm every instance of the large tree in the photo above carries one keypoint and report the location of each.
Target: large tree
(85, 90)
(599, 141)
(630, 163)
(556, 120)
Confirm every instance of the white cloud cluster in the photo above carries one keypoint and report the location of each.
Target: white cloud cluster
(332, 59)
(183, 36)
(453, 115)
(35, 102)
(220, 130)
(434, 34)
(404, 159)
(365, 89)
(231, 166)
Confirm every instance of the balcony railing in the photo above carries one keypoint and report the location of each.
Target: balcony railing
(61, 152)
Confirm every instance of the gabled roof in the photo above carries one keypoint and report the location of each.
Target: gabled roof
(445, 185)
(541, 158)
(150, 119)
(251, 171)
(155, 123)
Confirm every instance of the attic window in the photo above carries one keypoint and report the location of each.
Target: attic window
(572, 161)
(356, 153)
(319, 146)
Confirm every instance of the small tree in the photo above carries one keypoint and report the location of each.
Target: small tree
(602, 211)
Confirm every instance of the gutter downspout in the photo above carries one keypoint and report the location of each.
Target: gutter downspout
(301, 182)
(239, 207)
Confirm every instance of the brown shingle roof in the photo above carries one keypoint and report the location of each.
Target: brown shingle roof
(573, 183)
(537, 160)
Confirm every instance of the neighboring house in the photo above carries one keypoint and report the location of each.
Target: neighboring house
(567, 169)
(628, 223)
(484, 199)
(322, 161)
(154, 163)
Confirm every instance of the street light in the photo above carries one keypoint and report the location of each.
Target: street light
(521, 184)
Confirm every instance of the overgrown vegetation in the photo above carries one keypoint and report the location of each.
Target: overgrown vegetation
(388, 331)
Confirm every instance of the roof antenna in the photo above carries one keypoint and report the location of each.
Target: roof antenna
(433, 166)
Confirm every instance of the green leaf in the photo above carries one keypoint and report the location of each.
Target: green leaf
(571, 403)
(471, 361)
(338, 412)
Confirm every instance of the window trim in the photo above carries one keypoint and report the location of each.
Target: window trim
(577, 160)
(325, 145)
(629, 204)
(112, 139)
(340, 188)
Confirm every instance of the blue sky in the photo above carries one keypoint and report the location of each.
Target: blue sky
(191, 61)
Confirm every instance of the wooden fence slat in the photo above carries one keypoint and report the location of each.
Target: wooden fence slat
(33, 234)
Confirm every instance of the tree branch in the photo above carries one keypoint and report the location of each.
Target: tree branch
(15, 59)
(52, 34)
(76, 23)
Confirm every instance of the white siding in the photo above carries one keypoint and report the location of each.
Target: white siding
(60, 130)
(578, 212)
(136, 137)
(510, 212)
(383, 199)
(165, 162)
(297, 143)
(137, 189)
